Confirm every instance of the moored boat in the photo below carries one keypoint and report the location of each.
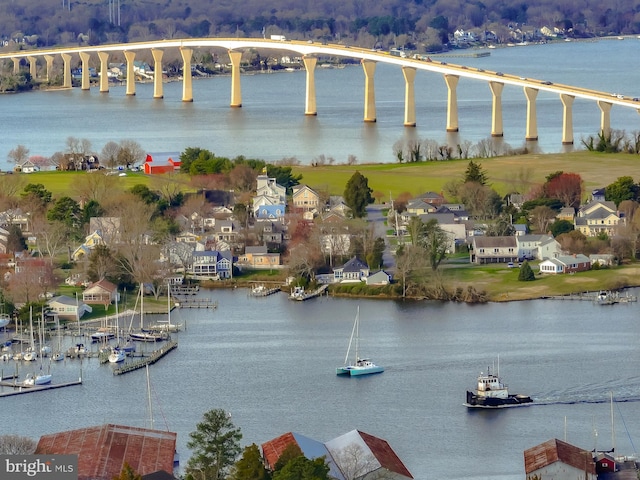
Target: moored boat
(117, 355)
(359, 366)
(491, 392)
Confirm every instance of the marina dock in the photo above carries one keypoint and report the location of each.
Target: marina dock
(263, 291)
(300, 296)
(150, 360)
(19, 388)
(197, 303)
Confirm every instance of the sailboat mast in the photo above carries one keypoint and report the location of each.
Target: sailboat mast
(613, 427)
(149, 397)
(353, 331)
(357, 332)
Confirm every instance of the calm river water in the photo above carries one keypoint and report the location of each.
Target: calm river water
(271, 363)
(271, 124)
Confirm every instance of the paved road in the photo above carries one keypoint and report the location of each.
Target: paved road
(375, 217)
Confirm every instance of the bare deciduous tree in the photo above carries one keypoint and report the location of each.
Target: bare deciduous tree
(109, 154)
(17, 445)
(18, 155)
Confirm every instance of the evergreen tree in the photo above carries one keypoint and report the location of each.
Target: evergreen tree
(475, 173)
(215, 445)
(128, 473)
(301, 468)
(357, 195)
(250, 466)
(526, 274)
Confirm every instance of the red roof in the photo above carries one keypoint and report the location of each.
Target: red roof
(103, 450)
(385, 454)
(272, 450)
(555, 450)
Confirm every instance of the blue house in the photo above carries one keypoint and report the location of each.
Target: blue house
(212, 264)
(355, 270)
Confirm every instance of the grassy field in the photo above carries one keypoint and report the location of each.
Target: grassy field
(597, 170)
(501, 283)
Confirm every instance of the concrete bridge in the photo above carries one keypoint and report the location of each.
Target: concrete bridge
(310, 51)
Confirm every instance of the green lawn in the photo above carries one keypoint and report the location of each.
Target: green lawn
(596, 170)
(501, 283)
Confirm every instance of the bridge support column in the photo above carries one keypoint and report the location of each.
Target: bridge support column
(104, 71)
(84, 56)
(32, 67)
(236, 92)
(409, 96)
(66, 77)
(310, 107)
(497, 128)
(131, 76)
(369, 68)
(187, 87)
(16, 65)
(531, 133)
(452, 102)
(157, 73)
(605, 117)
(567, 119)
(49, 61)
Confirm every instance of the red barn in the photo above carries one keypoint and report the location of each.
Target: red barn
(165, 164)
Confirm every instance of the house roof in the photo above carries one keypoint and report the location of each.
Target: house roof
(486, 241)
(555, 450)
(63, 300)
(379, 448)
(259, 250)
(354, 265)
(103, 450)
(104, 285)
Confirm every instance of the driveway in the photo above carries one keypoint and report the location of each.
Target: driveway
(375, 217)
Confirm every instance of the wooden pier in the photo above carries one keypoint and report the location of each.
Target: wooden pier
(19, 388)
(300, 296)
(262, 291)
(150, 360)
(197, 303)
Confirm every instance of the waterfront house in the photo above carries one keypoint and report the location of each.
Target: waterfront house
(102, 451)
(259, 258)
(559, 460)
(27, 167)
(102, 292)
(493, 249)
(212, 264)
(565, 264)
(602, 259)
(355, 270)
(379, 278)
(68, 308)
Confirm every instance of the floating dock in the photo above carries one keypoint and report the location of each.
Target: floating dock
(263, 292)
(150, 360)
(197, 303)
(20, 388)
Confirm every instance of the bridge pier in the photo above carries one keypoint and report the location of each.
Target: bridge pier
(131, 76)
(104, 71)
(16, 65)
(33, 67)
(310, 107)
(567, 119)
(605, 117)
(409, 96)
(49, 61)
(236, 92)
(531, 132)
(497, 128)
(369, 68)
(452, 102)
(84, 56)
(66, 77)
(157, 72)
(187, 86)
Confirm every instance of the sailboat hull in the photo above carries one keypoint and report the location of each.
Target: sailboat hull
(355, 371)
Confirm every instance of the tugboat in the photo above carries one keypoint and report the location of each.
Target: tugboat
(492, 393)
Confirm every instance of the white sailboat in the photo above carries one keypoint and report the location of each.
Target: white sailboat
(359, 366)
(166, 325)
(145, 335)
(30, 355)
(117, 355)
(39, 378)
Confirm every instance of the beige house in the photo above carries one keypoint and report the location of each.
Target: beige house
(102, 292)
(493, 249)
(305, 199)
(67, 308)
(259, 258)
(597, 217)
